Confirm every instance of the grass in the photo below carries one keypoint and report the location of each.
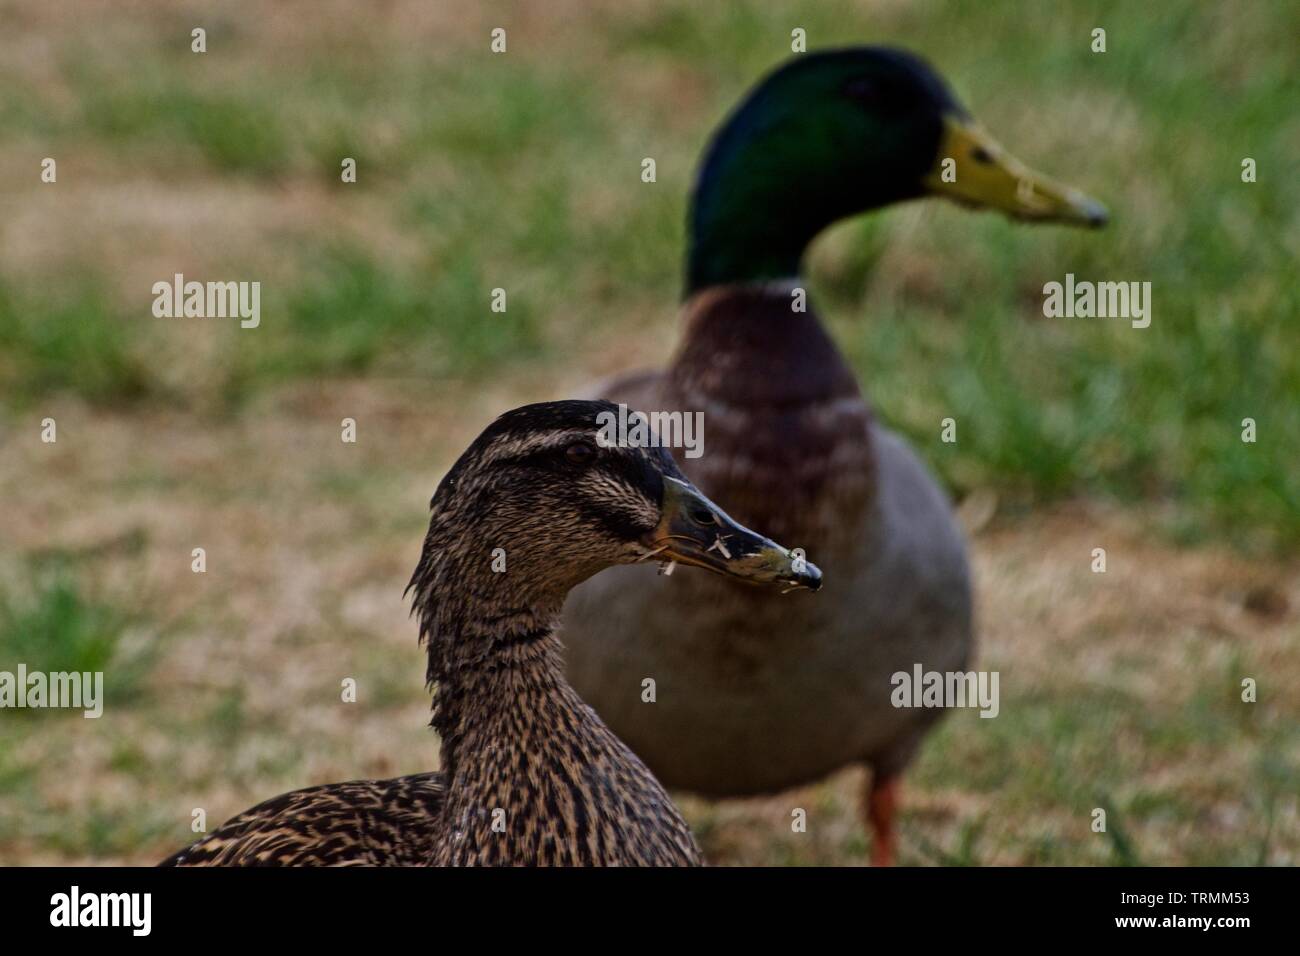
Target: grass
(1116, 693)
(234, 133)
(57, 627)
(361, 316)
(69, 340)
(521, 172)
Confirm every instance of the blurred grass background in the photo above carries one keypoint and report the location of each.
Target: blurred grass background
(478, 171)
(522, 171)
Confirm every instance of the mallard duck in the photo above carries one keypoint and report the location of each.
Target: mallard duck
(530, 775)
(794, 690)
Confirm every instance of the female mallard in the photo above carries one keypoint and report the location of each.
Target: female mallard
(791, 691)
(530, 774)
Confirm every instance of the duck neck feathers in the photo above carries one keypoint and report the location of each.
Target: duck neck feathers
(533, 775)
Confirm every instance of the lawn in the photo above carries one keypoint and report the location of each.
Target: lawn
(522, 172)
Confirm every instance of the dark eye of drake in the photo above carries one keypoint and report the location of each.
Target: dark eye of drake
(863, 90)
(580, 453)
(981, 155)
(880, 95)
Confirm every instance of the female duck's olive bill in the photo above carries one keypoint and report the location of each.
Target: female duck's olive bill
(695, 531)
(974, 170)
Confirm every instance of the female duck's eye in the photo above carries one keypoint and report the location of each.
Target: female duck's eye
(703, 517)
(580, 453)
(981, 155)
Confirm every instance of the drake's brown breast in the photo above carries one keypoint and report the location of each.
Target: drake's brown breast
(786, 445)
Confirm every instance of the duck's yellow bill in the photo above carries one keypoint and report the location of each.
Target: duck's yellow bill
(974, 170)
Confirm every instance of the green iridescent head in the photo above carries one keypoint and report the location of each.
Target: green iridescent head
(836, 133)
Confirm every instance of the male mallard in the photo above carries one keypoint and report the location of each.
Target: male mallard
(791, 691)
(530, 774)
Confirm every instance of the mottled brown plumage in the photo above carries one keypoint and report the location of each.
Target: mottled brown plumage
(530, 774)
(359, 823)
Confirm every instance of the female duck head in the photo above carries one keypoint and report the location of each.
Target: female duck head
(540, 502)
(836, 133)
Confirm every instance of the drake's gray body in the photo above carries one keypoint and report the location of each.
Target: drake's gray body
(753, 694)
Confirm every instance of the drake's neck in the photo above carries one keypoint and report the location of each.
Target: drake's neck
(759, 344)
(756, 252)
(744, 223)
(737, 236)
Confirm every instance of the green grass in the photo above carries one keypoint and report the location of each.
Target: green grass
(67, 340)
(1031, 757)
(233, 132)
(965, 852)
(54, 625)
(100, 831)
(362, 316)
(521, 172)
